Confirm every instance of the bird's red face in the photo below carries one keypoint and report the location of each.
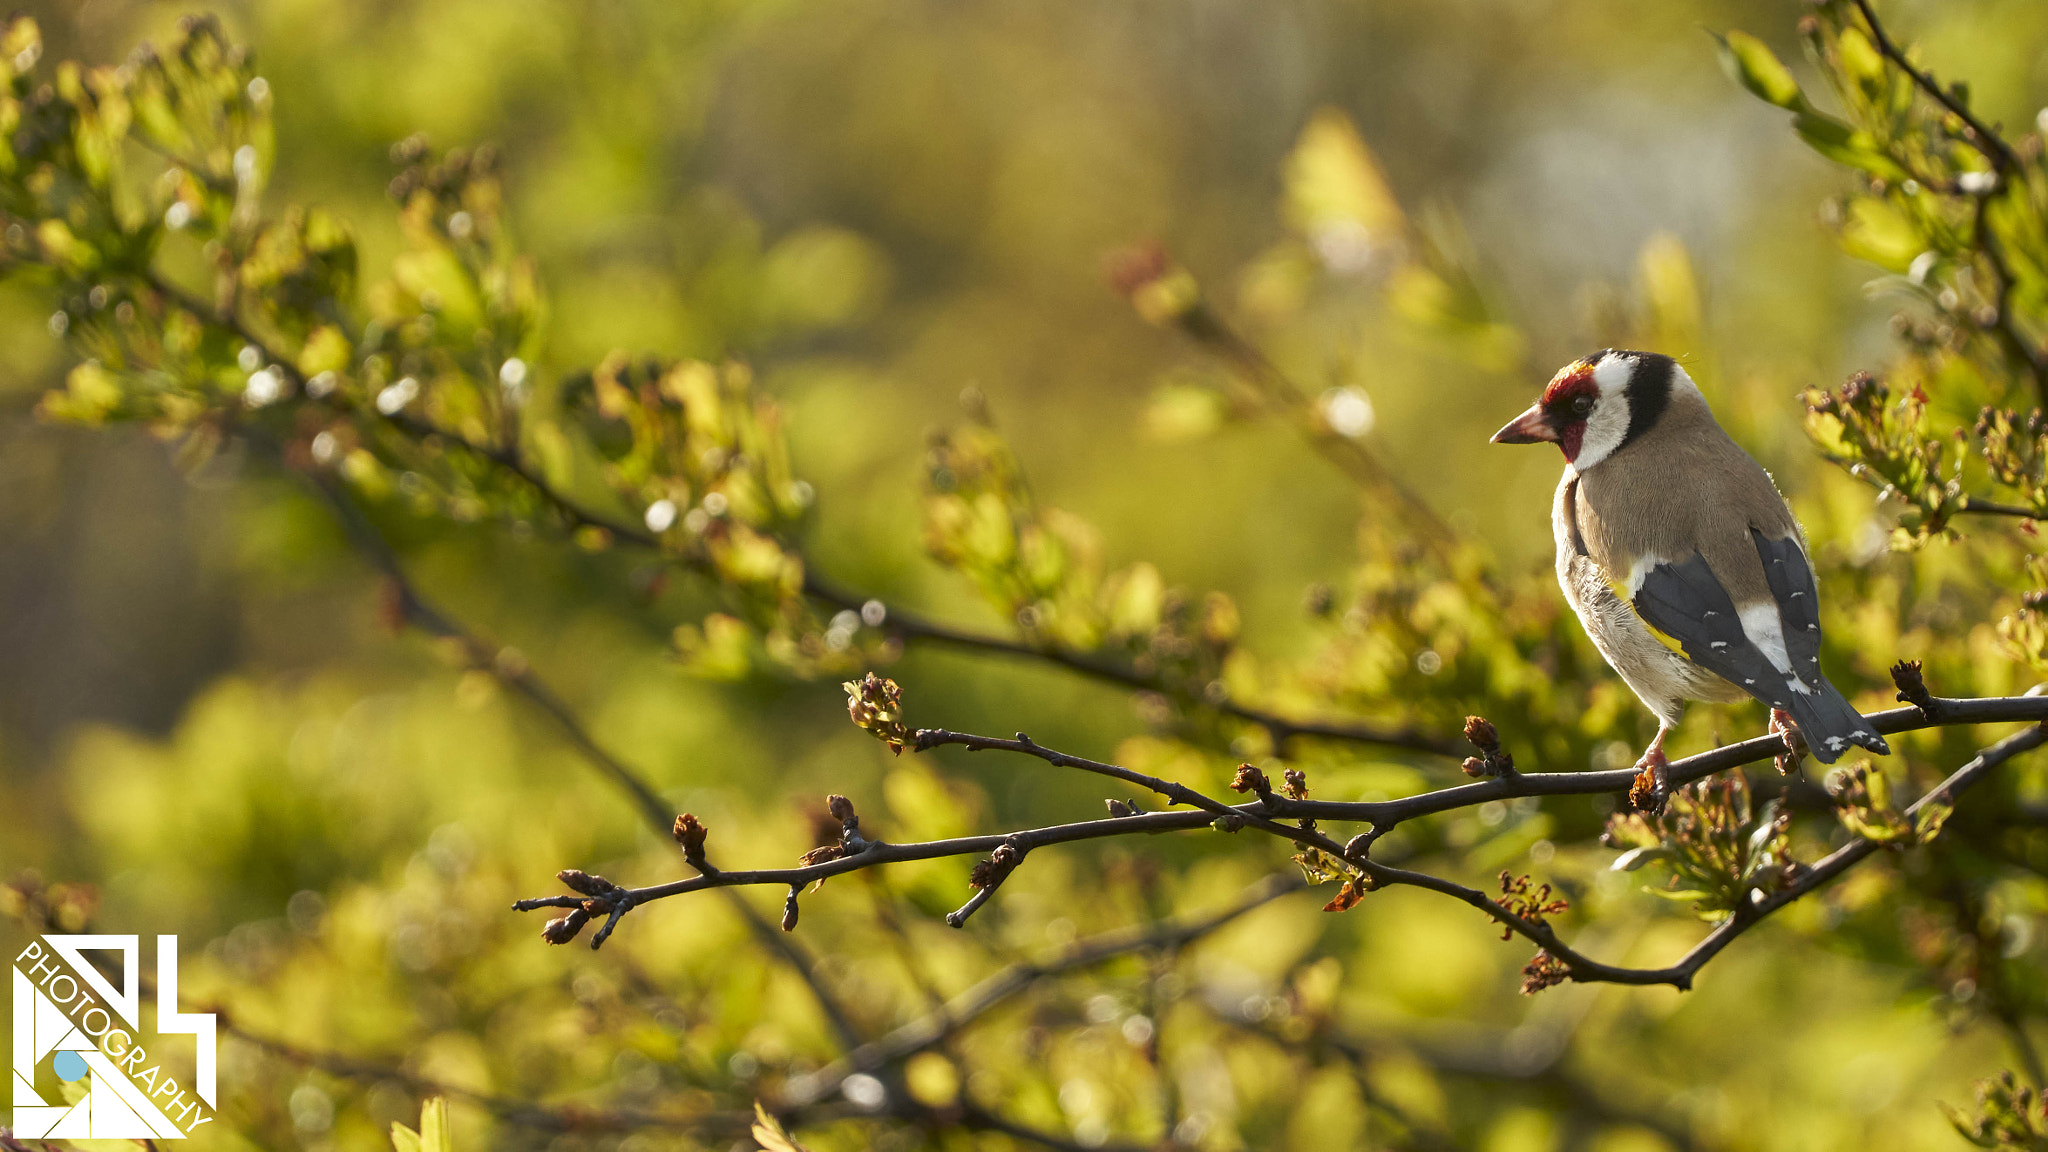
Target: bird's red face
(1560, 415)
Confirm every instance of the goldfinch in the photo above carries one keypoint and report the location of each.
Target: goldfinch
(1679, 555)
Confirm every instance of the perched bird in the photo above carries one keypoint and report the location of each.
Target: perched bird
(1679, 555)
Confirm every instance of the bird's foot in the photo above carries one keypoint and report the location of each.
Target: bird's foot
(1653, 780)
(1787, 729)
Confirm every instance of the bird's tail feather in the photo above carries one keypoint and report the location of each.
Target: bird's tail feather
(1830, 724)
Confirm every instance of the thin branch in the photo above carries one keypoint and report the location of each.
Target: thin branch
(1259, 816)
(1280, 729)
(2016, 342)
(2006, 167)
(558, 1117)
(507, 666)
(1385, 814)
(514, 672)
(1477, 1061)
(566, 1117)
(1972, 504)
(948, 1019)
(1205, 327)
(970, 1115)
(896, 621)
(1176, 793)
(1994, 148)
(1848, 856)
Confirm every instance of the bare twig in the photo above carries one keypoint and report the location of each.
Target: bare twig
(1972, 504)
(1280, 729)
(1995, 149)
(1384, 814)
(2006, 167)
(962, 1010)
(1203, 325)
(514, 672)
(1260, 816)
(558, 1117)
(897, 621)
(1487, 1061)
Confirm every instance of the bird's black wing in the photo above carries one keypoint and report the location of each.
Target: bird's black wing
(1792, 587)
(1686, 603)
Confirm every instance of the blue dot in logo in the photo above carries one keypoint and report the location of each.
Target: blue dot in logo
(69, 1066)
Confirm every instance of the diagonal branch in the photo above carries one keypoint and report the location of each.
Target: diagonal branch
(1988, 141)
(949, 1018)
(2006, 167)
(896, 621)
(513, 671)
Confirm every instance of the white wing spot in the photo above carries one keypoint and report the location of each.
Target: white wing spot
(1835, 743)
(1748, 681)
(1718, 644)
(1761, 623)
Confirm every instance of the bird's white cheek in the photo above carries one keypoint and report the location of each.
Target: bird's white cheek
(1604, 431)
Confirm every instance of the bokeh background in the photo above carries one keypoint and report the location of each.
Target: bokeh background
(204, 712)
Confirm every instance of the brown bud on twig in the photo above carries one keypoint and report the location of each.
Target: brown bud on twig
(1294, 782)
(565, 929)
(789, 910)
(585, 883)
(1120, 808)
(1250, 779)
(1481, 732)
(1912, 689)
(1475, 767)
(842, 810)
(1485, 737)
(1543, 971)
(996, 868)
(690, 832)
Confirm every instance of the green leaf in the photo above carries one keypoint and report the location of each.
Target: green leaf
(1860, 60)
(1676, 894)
(1751, 63)
(1932, 816)
(1845, 145)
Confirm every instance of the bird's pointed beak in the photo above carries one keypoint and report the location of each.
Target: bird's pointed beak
(1530, 427)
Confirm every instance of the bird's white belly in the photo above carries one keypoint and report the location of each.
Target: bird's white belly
(1662, 678)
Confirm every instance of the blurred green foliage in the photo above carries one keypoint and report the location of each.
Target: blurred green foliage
(647, 388)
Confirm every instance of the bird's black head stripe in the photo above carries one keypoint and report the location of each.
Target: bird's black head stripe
(1648, 391)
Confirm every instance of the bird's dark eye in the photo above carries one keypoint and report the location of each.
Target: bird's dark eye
(1582, 406)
